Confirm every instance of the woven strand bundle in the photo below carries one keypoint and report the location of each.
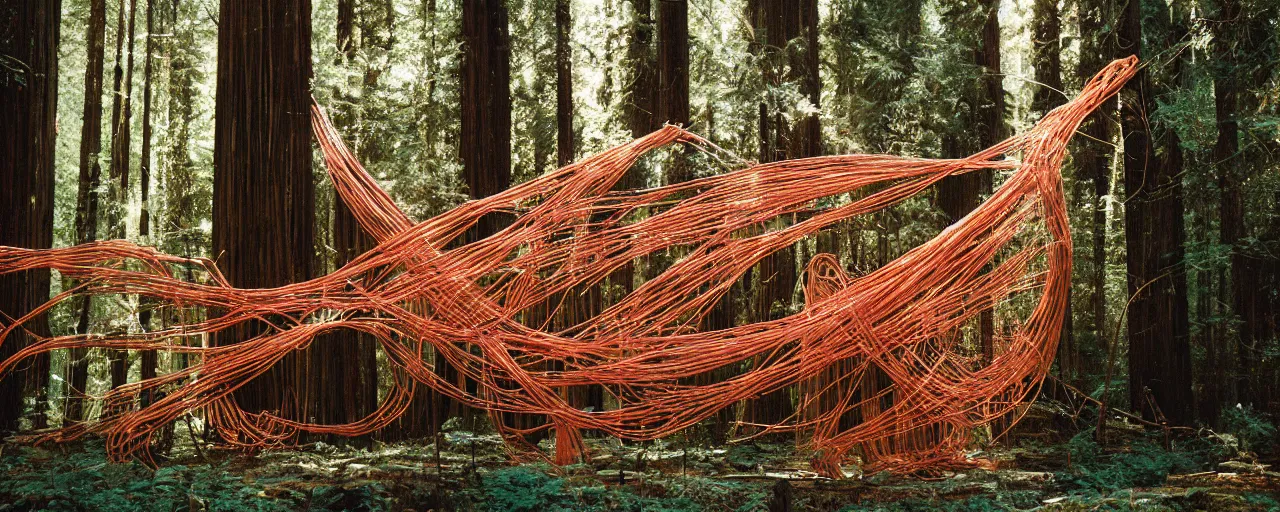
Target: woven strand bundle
(909, 391)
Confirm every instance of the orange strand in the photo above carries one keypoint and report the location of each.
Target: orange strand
(908, 389)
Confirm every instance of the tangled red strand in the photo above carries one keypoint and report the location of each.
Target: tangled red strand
(909, 390)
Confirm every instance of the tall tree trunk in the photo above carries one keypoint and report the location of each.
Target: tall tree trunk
(1046, 56)
(958, 195)
(1241, 290)
(87, 195)
(344, 380)
(149, 358)
(485, 141)
(29, 34)
(1159, 349)
(263, 193)
(673, 77)
(121, 136)
(1231, 222)
(1094, 163)
(565, 150)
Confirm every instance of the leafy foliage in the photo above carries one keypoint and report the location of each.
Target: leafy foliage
(1143, 464)
(1252, 429)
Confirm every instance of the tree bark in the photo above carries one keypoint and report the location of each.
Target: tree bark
(263, 193)
(121, 138)
(673, 77)
(565, 150)
(1093, 160)
(87, 196)
(149, 358)
(1159, 349)
(29, 34)
(485, 141)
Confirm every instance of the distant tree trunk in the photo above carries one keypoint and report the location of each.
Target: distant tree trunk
(784, 59)
(643, 104)
(959, 195)
(344, 379)
(87, 195)
(806, 134)
(121, 136)
(673, 62)
(178, 174)
(1159, 349)
(1241, 291)
(29, 34)
(263, 193)
(1231, 221)
(149, 358)
(565, 152)
(1046, 56)
(673, 77)
(485, 142)
(486, 103)
(1094, 164)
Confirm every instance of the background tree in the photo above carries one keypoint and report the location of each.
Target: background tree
(121, 135)
(86, 219)
(263, 191)
(29, 34)
(1159, 347)
(1092, 160)
(485, 98)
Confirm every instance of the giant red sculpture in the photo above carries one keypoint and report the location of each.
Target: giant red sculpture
(910, 390)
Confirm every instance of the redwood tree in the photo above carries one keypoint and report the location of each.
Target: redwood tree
(121, 137)
(29, 32)
(1093, 163)
(958, 195)
(263, 190)
(149, 358)
(86, 220)
(485, 141)
(1159, 348)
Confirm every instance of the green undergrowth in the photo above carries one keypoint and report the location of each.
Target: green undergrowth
(1143, 463)
(1133, 475)
(531, 489)
(85, 480)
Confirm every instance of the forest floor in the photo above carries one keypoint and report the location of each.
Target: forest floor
(473, 472)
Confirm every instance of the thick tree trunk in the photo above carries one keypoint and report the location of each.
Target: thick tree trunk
(29, 33)
(673, 77)
(485, 141)
(263, 190)
(1159, 349)
(87, 195)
